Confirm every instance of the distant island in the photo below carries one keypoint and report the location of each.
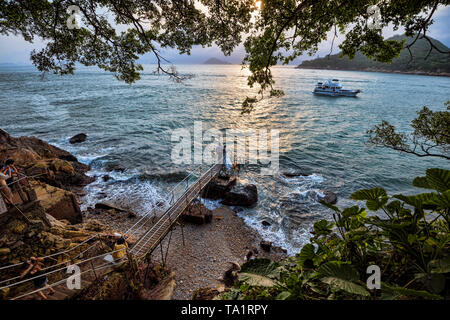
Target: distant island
(215, 61)
(436, 64)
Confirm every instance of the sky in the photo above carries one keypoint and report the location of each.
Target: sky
(14, 49)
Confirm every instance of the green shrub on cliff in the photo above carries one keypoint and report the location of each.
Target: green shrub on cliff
(408, 239)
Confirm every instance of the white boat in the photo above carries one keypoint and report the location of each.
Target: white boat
(333, 88)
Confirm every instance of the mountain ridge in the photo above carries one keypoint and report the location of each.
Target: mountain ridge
(436, 64)
(215, 61)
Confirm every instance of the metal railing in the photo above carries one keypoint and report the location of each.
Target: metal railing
(173, 212)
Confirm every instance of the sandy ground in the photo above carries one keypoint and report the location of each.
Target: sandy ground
(207, 251)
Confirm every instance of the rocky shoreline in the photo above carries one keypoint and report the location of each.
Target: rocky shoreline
(421, 73)
(199, 253)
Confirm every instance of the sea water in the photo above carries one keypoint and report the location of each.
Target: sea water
(131, 125)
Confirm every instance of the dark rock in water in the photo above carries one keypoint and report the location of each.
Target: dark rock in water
(81, 137)
(115, 167)
(224, 176)
(241, 195)
(216, 189)
(265, 245)
(106, 178)
(238, 209)
(330, 197)
(291, 174)
(265, 223)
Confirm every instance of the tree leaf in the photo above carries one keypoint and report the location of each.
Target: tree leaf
(440, 265)
(341, 276)
(263, 267)
(256, 280)
(369, 194)
(440, 200)
(438, 179)
(283, 295)
(339, 269)
(260, 272)
(394, 292)
(421, 182)
(307, 253)
(352, 211)
(418, 200)
(375, 205)
(345, 285)
(323, 227)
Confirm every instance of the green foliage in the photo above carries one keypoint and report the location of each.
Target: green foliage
(408, 237)
(436, 62)
(430, 138)
(341, 276)
(260, 272)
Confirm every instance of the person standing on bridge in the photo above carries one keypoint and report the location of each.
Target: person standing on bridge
(120, 249)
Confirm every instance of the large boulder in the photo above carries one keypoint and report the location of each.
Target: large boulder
(216, 189)
(81, 137)
(241, 195)
(197, 213)
(110, 207)
(59, 203)
(292, 174)
(329, 197)
(266, 245)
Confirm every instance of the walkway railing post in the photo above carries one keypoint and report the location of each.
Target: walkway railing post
(93, 269)
(182, 233)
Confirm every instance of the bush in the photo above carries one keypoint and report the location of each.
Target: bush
(407, 237)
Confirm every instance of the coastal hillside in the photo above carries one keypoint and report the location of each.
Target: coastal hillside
(436, 64)
(215, 61)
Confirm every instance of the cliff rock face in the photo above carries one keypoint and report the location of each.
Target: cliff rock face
(59, 203)
(36, 233)
(48, 163)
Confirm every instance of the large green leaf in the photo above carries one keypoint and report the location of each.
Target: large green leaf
(417, 201)
(352, 211)
(263, 267)
(323, 227)
(438, 179)
(369, 194)
(375, 205)
(283, 295)
(341, 276)
(434, 282)
(256, 280)
(260, 272)
(345, 285)
(440, 200)
(421, 182)
(394, 292)
(440, 265)
(307, 253)
(339, 269)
